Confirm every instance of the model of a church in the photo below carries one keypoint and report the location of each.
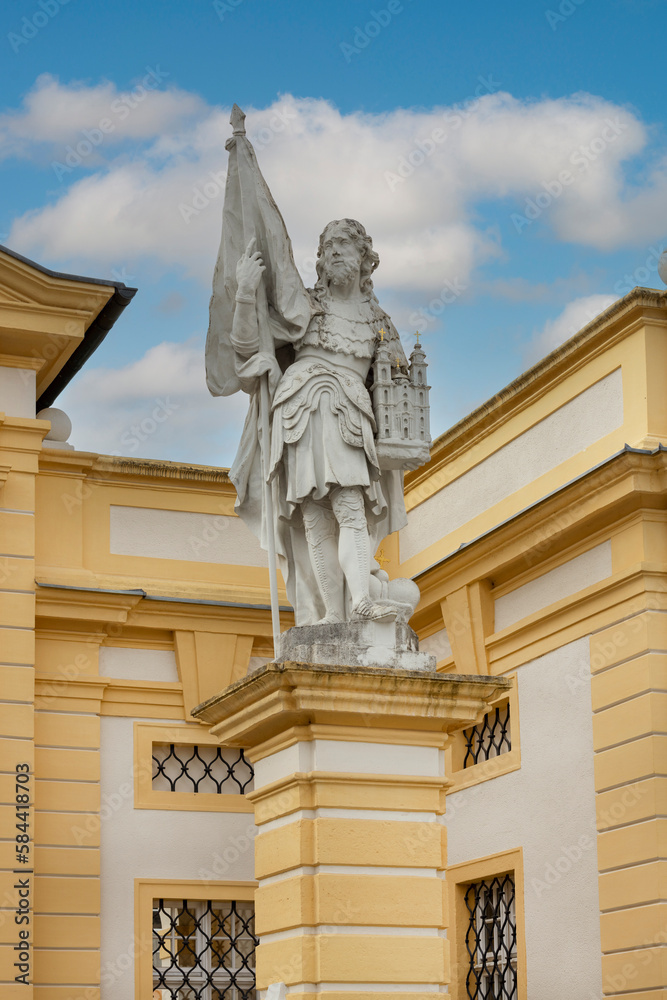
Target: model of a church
(401, 407)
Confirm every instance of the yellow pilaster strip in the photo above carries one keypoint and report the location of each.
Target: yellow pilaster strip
(468, 617)
(629, 692)
(20, 443)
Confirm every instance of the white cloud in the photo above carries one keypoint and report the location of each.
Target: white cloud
(155, 407)
(573, 318)
(414, 178)
(55, 114)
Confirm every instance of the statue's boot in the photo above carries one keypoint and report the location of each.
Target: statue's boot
(321, 530)
(354, 554)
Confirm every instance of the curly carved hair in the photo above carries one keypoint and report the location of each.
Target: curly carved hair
(363, 242)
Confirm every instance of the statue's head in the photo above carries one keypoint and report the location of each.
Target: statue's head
(345, 248)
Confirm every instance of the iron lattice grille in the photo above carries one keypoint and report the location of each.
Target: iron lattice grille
(491, 940)
(203, 950)
(205, 769)
(490, 738)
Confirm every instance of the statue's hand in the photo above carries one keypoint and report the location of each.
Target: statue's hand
(249, 271)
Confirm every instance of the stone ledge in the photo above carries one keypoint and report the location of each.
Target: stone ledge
(284, 694)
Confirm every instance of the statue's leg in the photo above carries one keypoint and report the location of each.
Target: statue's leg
(320, 525)
(354, 553)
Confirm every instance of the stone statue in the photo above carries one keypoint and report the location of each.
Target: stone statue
(319, 473)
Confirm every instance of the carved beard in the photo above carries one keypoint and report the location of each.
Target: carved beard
(341, 272)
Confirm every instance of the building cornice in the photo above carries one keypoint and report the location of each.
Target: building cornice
(112, 468)
(638, 308)
(627, 482)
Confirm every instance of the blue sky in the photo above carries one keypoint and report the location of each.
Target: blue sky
(443, 127)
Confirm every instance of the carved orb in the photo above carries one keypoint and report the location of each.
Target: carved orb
(403, 591)
(662, 266)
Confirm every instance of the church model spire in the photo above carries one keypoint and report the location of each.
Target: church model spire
(418, 368)
(401, 407)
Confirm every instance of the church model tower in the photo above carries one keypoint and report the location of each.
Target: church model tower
(401, 407)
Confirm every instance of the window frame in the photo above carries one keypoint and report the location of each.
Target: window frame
(184, 734)
(146, 890)
(459, 877)
(463, 777)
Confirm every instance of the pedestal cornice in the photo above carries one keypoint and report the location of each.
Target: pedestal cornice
(286, 694)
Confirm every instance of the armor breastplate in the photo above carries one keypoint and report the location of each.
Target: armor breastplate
(342, 335)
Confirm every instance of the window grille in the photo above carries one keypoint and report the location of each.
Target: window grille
(207, 769)
(203, 950)
(490, 738)
(491, 940)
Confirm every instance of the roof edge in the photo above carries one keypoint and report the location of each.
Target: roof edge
(92, 339)
(63, 274)
(95, 333)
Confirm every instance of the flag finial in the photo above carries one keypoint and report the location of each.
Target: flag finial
(237, 120)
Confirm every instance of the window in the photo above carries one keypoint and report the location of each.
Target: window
(488, 749)
(203, 950)
(490, 738)
(491, 940)
(200, 769)
(182, 767)
(487, 927)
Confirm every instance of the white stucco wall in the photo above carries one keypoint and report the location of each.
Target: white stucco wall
(573, 427)
(148, 843)
(555, 781)
(575, 575)
(138, 664)
(182, 534)
(548, 808)
(346, 757)
(17, 391)
(438, 644)
(257, 662)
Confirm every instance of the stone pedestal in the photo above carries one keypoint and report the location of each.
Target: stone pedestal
(349, 791)
(355, 644)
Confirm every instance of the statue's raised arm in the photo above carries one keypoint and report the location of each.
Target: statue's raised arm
(347, 411)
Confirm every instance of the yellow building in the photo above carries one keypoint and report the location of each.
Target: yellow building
(501, 835)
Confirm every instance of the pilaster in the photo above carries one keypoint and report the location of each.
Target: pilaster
(20, 444)
(629, 680)
(349, 792)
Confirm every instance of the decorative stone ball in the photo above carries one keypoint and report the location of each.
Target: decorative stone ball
(61, 425)
(662, 266)
(404, 591)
